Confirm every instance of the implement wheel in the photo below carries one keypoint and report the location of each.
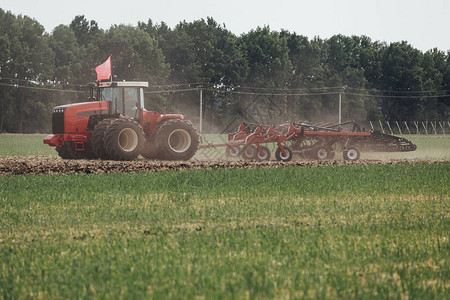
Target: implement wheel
(351, 154)
(232, 151)
(322, 152)
(249, 152)
(263, 154)
(284, 157)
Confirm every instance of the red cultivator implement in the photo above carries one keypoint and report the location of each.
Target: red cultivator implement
(309, 141)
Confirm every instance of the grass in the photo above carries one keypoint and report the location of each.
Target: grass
(376, 231)
(25, 145)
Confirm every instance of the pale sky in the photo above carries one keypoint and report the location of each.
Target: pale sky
(425, 24)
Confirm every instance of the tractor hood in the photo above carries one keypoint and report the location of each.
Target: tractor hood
(73, 118)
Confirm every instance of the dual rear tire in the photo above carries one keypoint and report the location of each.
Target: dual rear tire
(173, 139)
(117, 139)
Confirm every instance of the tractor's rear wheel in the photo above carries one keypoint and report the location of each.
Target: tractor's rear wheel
(177, 139)
(97, 138)
(123, 140)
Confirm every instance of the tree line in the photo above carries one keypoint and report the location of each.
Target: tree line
(285, 74)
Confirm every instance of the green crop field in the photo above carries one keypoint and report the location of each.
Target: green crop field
(351, 231)
(356, 231)
(24, 145)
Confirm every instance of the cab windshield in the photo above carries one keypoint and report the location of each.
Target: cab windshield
(124, 100)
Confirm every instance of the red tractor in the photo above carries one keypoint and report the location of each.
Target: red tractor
(115, 125)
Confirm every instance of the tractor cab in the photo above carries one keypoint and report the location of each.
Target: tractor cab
(125, 98)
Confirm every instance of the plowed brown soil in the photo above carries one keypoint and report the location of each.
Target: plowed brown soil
(50, 165)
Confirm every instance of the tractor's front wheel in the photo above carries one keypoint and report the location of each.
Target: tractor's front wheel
(97, 138)
(123, 140)
(80, 154)
(177, 139)
(63, 151)
(68, 151)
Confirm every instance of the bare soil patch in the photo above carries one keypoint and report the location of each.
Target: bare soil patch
(19, 165)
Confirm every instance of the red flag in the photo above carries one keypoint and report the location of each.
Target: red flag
(104, 70)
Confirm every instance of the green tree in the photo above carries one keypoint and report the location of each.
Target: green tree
(435, 64)
(135, 55)
(28, 60)
(200, 52)
(344, 61)
(267, 56)
(402, 74)
(205, 54)
(90, 39)
(85, 31)
(7, 20)
(270, 70)
(309, 75)
(68, 55)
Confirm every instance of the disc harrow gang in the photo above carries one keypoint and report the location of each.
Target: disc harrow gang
(317, 142)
